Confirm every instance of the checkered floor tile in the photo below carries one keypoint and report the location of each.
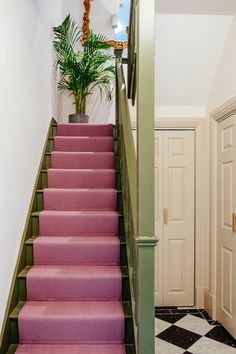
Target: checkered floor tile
(190, 331)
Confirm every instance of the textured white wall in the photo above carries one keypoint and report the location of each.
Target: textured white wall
(224, 84)
(188, 53)
(28, 99)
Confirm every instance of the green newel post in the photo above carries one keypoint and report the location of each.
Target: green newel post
(146, 240)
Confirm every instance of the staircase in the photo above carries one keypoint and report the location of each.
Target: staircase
(74, 291)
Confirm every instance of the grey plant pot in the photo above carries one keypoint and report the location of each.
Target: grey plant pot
(78, 118)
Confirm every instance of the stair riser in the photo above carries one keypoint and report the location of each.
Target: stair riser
(70, 225)
(14, 331)
(77, 331)
(72, 179)
(35, 228)
(82, 161)
(128, 324)
(83, 179)
(125, 292)
(83, 144)
(105, 255)
(77, 255)
(43, 180)
(77, 289)
(84, 130)
(80, 200)
(112, 205)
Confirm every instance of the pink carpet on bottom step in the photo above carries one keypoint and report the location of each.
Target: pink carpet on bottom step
(74, 288)
(84, 178)
(76, 250)
(71, 349)
(72, 322)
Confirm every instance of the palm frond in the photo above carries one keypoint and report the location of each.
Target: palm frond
(82, 70)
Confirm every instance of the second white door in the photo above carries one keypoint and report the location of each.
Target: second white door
(174, 174)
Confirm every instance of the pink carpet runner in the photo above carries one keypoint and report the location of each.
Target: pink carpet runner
(74, 288)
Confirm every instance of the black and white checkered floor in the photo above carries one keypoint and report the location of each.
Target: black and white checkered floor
(190, 331)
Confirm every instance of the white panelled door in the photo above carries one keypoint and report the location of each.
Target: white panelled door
(175, 189)
(226, 225)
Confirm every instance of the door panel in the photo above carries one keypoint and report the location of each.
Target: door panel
(226, 238)
(174, 167)
(176, 255)
(179, 231)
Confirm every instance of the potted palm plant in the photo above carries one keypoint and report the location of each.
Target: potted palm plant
(82, 68)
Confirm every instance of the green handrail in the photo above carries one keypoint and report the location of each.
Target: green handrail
(137, 173)
(128, 165)
(132, 42)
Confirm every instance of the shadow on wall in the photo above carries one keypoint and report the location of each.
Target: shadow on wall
(99, 110)
(56, 105)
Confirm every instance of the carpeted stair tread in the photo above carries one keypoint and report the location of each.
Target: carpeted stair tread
(71, 322)
(71, 349)
(68, 283)
(76, 223)
(81, 178)
(84, 160)
(76, 129)
(80, 199)
(84, 143)
(76, 250)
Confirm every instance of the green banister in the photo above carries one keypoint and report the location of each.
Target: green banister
(146, 239)
(138, 174)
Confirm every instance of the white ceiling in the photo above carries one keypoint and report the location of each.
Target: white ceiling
(208, 7)
(188, 52)
(111, 6)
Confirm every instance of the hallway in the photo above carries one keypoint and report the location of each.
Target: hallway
(190, 331)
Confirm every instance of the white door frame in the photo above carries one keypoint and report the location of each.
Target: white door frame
(202, 210)
(223, 112)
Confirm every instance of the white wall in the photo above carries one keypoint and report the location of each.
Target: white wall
(224, 87)
(188, 53)
(28, 100)
(99, 111)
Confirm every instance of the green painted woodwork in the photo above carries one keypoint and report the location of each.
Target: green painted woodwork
(127, 177)
(132, 52)
(9, 333)
(128, 165)
(12, 349)
(146, 240)
(137, 175)
(13, 320)
(129, 336)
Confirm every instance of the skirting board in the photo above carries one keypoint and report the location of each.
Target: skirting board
(199, 297)
(209, 304)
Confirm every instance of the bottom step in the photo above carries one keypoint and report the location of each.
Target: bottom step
(70, 349)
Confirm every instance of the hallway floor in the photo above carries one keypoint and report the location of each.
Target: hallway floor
(190, 331)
